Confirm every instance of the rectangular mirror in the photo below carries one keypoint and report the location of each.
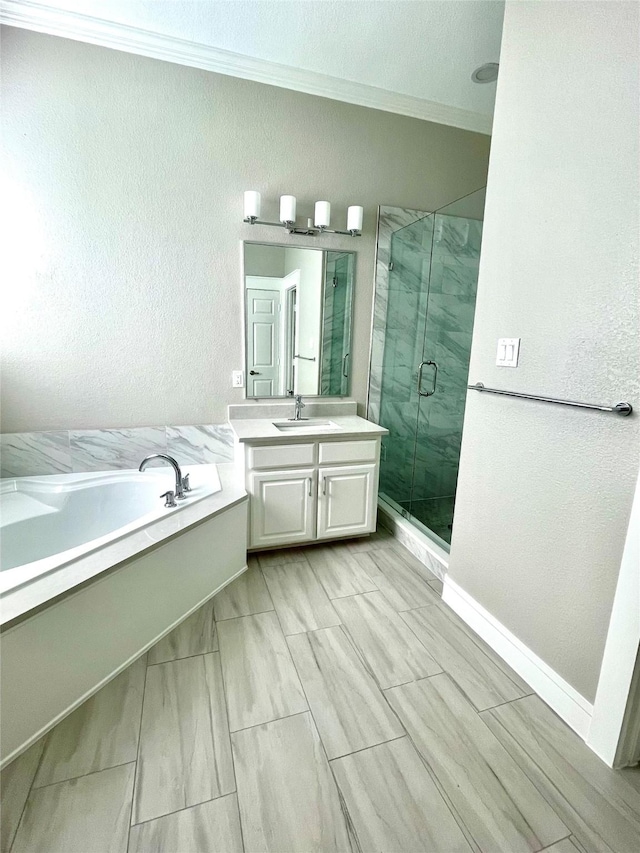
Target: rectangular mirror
(298, 313)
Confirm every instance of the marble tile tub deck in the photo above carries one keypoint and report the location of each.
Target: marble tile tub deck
(325, 701)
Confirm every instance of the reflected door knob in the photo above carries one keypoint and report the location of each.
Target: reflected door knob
(254, 373)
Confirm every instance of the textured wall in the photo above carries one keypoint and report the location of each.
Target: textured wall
(264, 260)
(124, 292)
(545, 492)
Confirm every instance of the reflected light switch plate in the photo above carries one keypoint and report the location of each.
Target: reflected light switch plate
(508, 352)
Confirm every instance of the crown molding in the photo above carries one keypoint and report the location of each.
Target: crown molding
(86, 28)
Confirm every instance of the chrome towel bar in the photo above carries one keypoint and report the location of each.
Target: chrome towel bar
(623, 409)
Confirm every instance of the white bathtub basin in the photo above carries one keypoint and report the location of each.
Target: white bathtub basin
(47, 522)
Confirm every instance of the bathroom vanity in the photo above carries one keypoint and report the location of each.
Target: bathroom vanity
(308, 480)
(310, 469)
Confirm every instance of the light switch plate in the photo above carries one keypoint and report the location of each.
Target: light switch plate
(237, 379)
(508, 352)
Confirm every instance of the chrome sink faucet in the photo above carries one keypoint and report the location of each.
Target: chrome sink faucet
(299, 406)
(182, 483)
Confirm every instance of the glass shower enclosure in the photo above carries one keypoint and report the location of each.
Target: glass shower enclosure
(336, 323)
(426, 278)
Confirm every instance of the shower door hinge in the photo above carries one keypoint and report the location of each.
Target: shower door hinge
(390, 266)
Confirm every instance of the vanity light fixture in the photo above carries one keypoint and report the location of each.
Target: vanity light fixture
(318, 225)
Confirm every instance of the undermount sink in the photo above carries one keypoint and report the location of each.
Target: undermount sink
(308, 425)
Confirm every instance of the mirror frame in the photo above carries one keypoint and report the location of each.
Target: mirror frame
(243, 278)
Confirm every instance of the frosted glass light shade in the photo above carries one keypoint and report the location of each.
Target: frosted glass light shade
(287, 208)
(322, 214)
(354, 218)
(251, 204)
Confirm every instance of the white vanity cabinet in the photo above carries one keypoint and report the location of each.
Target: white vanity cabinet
(347, 500)
(283, 507)
(321, 488)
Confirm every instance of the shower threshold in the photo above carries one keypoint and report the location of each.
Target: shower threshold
(436, 514)
(433, 521)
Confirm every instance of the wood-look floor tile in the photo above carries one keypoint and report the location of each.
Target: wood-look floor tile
(600, 807)
(260, 678)
(483, 683)
(280, 557)
(212, 827)
(339, 572)
(348, 707)
(185, 754)
(500, 806)
(196, 635)
(286, 791)
(564, 846)
(101, 733)
(437, 586)
(382, 538)
(85, 815)
(394, 804)
(390, 649)
(401, 585)
(247, 594)
(632, 776)
(15, 784)
(300, 602)
(494, 657)
(412, 562)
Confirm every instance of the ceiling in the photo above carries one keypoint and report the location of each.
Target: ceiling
(408, 56)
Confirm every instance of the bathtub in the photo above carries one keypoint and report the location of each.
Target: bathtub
(51, 521)
(96, 572)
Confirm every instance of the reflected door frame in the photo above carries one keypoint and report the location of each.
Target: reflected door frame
(291, 330)
(263, 322)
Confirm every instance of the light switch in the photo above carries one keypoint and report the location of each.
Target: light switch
(508, 352)
(237, 379)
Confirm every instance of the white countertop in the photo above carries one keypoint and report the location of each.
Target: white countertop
(19, 601)
(264, 429)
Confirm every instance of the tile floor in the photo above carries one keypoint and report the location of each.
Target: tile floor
(325, 701)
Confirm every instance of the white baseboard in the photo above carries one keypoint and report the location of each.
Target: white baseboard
(561, 697)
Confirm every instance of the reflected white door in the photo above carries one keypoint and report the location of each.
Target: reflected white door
(263, 321)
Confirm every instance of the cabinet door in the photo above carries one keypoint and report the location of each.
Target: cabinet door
(282, 507)
(346, 500)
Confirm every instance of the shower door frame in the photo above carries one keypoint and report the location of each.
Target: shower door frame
(422, 415)
(390, 221)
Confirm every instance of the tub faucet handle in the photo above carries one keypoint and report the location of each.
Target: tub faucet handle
(170, 502)
(185, 483)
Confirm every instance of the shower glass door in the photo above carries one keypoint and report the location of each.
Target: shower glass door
(433, 271)
(407, 296)
(336, 323)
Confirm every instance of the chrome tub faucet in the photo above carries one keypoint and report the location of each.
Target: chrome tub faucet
(182, 483)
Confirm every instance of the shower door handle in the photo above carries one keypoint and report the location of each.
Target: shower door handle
(435, 378)
(344, 366)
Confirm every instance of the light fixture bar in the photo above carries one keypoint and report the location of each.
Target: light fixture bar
(252, 204)
(309, 231)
